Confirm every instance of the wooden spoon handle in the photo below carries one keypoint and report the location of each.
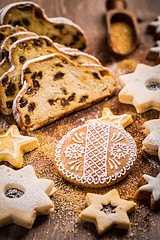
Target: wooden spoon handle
(116, 4)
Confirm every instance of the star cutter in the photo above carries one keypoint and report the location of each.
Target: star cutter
(104, 221)
(145, 79)
(151, 143)
(13, 145)
(150, 191)
(119, 120)
(23, 196)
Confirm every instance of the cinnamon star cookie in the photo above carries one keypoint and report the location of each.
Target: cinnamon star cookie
(13, 145)
(107, 210)
(155, 27)
(96, 154)
(154, 52)
(150, 191)
(151, 143)
(23, 196)
(141, 88)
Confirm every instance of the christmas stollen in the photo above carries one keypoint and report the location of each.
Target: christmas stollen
(31, 16)
(26, 49)
(61, 88)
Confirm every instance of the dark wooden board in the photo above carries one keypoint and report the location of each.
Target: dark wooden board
(69, 199)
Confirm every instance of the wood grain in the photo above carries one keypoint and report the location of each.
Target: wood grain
(90, 15)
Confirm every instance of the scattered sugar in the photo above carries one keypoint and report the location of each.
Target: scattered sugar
(69, 199)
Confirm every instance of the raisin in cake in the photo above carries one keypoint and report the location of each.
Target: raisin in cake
(6, 45)
(33, 18)
(8, 42)
(54, 87)
(7, 30)
(20, 52)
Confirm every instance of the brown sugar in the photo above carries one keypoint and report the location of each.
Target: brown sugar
(122, 37)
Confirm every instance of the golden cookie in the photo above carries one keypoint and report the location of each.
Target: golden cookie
(13, 145)
(107, 210)
(96, 154)
(150, 191)
(145, 79)
(120, 120)
(23, 196)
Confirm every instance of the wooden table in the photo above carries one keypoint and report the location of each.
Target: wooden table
(69, 199)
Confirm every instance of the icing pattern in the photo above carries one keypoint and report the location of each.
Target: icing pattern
(103, 149)
(96, 151)
(119, 150)
(74, 151)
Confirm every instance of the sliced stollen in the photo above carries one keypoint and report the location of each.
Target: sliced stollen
(76, 55)
(33, 18)
(66, 49)
(61, 88)
(7, 30)
(8, 42)
(4, 66)
(22, 51)
(6, 45)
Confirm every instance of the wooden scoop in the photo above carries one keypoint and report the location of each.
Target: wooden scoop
(123, 31)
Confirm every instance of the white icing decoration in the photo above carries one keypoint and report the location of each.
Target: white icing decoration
(119, 150)
(75, 163)
(116, 138)
(95, 157)
(79, 139)
(22, 139)
(74, 151)
(115, 162)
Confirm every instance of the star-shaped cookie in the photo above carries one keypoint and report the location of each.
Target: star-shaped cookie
(154, 52)
(13, 145)
(151, 143)
(141, 88)
(119, 120)
(155, 27)
(23, 196)
(150, 191)
(104, 221)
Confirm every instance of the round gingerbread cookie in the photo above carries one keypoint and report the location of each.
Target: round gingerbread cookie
(95, 155)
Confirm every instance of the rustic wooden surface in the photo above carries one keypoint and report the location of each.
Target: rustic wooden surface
(63, 223)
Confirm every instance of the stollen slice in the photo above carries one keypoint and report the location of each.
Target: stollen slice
(7, 30)
(31, 16)
(20, 52)
(54, 86)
